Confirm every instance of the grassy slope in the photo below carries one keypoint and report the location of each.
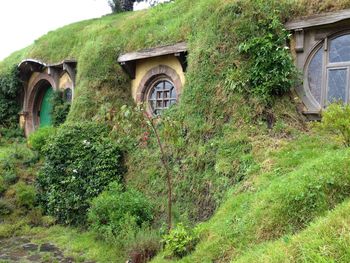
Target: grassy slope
(325, 240)
(309, 177)
(293, 186)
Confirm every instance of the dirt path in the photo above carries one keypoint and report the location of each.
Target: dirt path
(21, 249)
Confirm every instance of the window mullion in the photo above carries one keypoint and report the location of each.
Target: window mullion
(325, 74)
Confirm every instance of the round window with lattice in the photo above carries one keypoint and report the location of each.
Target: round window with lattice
(161, 95)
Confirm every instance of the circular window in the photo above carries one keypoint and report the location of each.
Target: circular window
(328, 71)
(161, 96)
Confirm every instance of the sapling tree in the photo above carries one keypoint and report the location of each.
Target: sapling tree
(134, 126)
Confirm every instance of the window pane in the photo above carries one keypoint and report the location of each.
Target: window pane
(161, 96)
(168, 85)
(153, 95)
(315, 75)
(337, 81)
(340, 49)
(173, 93)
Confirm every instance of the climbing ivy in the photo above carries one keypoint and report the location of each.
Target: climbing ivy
(10, 86)
(60, 108)
(266, 69)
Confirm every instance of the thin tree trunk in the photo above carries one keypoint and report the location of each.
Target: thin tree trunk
(168, 173)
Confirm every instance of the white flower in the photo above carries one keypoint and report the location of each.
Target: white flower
(75, 171)
(86, 142)
(287, 48)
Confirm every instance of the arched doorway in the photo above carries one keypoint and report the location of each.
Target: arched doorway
(42, 108)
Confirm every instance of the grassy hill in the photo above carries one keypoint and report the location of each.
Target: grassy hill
(257, 191)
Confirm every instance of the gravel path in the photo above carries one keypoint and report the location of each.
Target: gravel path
(20, 249)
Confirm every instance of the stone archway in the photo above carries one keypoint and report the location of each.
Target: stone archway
(38, 100)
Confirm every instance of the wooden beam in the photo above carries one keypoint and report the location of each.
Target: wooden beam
(153, 52)
(318, 20)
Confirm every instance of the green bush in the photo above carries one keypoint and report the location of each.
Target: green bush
(5, 207)
(60, 108)
(9, 104)
(12, 132)
(7, 178)
(80, 161)
(39, 138)
(111, 208)
(3, 185)
(180, 241)
(10, 177)
(25, 195)
(336, 121)
(266, 68)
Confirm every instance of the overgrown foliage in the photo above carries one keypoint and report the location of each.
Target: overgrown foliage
(336, 121)
(269, 70)
(80, 161)
(114, 207)
(60, 108)
(10, 87)
(40, 137)
(180, 241)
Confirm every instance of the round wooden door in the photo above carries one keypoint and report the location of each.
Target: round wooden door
(46, 108)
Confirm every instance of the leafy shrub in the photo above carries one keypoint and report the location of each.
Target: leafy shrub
(80, 161)
(39, 138)
(7, 178)
(2, 186)
(12, 132)
(25, 195)
(110, 210)
(269, 69)
(180, 241)
(9, 90)
(336, 121)
(5, 207)
(10, 177)
(60, 108)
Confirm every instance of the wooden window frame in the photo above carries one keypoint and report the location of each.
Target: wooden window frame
(326, 67)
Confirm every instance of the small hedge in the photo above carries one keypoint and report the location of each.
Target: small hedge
(38, 139)
(114, 207)
(336, 121)
(80, 162)
(180, 241)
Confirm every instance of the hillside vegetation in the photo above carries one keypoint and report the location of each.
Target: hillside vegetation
(251, 179)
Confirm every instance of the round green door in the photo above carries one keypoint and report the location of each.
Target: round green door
(46, 108)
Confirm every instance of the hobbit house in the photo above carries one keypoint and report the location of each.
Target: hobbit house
(40, 80)
(321, 46)
(157, 74)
